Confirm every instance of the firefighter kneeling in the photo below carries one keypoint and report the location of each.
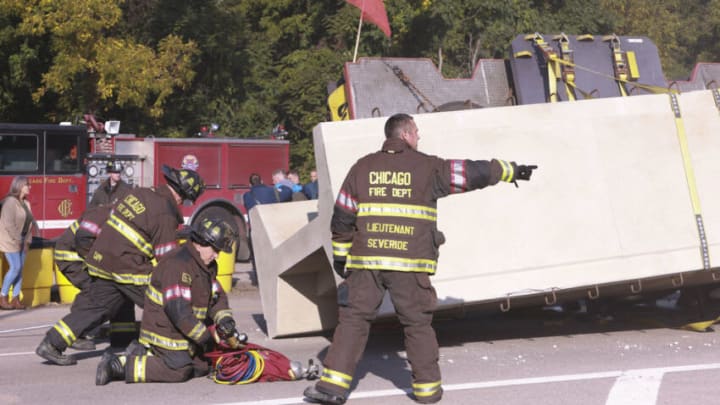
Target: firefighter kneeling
(182, 297)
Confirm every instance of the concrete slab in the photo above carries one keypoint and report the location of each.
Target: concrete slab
(609, 203)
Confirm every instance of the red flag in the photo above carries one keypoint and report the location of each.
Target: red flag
(373, 11)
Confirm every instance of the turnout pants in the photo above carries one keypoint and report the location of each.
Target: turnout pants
(75, 272)
(103, 300)
(163, 365)
(359, 298)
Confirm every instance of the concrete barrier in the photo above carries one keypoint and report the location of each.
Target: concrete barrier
(609, 204)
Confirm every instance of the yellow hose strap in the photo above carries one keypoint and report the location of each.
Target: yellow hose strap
(690, 177)
(568, 72)
(701, 326)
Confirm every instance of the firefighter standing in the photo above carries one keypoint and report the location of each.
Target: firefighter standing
(113, 189)
(183, 293)
(385, 237)
(140, 230)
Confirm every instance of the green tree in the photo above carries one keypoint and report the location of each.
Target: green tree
(93, 70)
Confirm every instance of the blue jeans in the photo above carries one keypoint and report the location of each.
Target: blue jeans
(13, 278)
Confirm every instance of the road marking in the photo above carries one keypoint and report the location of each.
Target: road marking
(648, 380)
(637, 387)
(15, 354)
(24, 329)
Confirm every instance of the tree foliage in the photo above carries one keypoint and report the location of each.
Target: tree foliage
(166, 67)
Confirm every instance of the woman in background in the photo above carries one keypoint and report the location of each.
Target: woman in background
(15, 236)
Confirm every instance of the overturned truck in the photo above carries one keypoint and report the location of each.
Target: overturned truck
(625, 201)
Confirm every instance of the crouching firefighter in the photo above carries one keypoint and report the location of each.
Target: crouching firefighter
(71, 249)
(141, 229)
(183, 297)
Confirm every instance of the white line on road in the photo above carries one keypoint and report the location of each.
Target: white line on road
(15, 354)
(637, 387)
(24, 329)
(650, 377)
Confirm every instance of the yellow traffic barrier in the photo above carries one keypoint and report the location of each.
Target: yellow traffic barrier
(226, 268)
(37, 276)
(66, 289)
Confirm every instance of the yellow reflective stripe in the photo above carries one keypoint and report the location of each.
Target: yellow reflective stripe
(67, 256)
(690, 178)
(65, 332)
(74, 227)
(139, 367)
(397, 210)
(391, 263)
(132, 235)
(154, 295)
(336, 378)
(119, 327)
(223, 313)
(341, 248)
(197, 332)
(127, 278)
(200, 313)
(426, 389)
(147, 337)
(508, 173)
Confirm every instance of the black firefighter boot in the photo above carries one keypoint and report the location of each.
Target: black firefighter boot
(83, 344)
(110, 368)
(313, 394)
(47, 351)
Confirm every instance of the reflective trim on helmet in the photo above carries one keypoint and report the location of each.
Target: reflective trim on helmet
(74, 227)
(223, 313)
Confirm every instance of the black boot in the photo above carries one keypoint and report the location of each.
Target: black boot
(322, 397)
(83, 344)
(110, 368)
(52, 354)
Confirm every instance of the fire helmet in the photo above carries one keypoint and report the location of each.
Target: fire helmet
(114, 166)
(213, 232)
(187, 183)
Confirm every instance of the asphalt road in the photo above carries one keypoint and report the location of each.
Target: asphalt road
(523, 357)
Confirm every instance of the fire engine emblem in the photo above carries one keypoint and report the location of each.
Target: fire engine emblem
(190, 162)
(65, 208)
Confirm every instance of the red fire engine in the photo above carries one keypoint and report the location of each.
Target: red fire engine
(65, 164)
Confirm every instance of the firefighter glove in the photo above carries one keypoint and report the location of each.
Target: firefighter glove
(339, 267)
(523, 172)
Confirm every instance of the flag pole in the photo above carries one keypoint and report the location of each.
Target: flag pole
(357, 39)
